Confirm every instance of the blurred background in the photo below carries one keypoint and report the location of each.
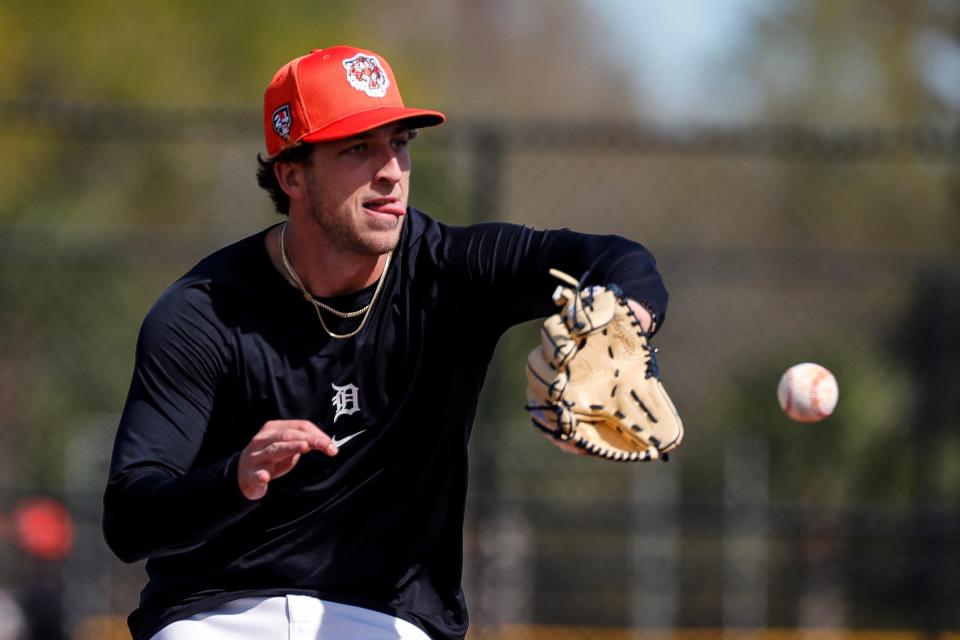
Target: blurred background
(793, 164)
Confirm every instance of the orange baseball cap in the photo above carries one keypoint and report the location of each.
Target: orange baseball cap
(334, 93)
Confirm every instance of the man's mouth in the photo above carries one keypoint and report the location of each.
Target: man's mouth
(386, 206)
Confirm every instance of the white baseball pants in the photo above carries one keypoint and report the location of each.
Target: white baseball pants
(290, 618)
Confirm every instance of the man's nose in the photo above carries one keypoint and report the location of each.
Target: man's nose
(390, 170)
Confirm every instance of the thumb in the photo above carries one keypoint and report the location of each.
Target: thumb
(256, 487)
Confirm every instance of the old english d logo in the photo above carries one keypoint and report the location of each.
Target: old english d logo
(282, 121)
(346, 400)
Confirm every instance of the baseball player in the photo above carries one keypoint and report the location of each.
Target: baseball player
(291, 459)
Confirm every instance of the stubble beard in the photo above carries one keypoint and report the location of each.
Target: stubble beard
(344, 233)
(345, 236)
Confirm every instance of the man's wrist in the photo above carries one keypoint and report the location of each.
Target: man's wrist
(646, 317)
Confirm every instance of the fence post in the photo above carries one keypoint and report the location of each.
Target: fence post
(932, 353)
(745, 532)
(489, 505)
(487, 147)
(655, 548)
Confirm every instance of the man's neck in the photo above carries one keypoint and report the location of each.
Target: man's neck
(323, 270)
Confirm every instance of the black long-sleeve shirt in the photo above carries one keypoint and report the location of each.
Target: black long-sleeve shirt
(231, 346)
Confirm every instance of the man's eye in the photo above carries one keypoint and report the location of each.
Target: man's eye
(357, 148)
(405, 140)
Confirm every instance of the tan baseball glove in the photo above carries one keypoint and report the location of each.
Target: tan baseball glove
(594, 382)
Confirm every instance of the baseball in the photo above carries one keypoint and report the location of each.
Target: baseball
(808, 392)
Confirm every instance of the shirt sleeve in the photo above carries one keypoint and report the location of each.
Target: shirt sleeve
(511, 264)
(156, 500)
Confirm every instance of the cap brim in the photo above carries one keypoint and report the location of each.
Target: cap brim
(358, 123)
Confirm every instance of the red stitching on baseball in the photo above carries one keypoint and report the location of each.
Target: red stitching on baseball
(814, 396)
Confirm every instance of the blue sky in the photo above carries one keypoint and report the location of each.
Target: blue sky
(678, 51)
(681, 56)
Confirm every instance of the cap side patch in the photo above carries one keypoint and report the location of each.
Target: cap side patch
(282, 121)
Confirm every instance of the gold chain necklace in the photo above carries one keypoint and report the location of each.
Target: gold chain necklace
(317, 305)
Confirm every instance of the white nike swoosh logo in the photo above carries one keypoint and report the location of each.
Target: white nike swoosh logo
(345, 439)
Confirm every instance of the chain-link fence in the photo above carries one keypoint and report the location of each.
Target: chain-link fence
(779, 245)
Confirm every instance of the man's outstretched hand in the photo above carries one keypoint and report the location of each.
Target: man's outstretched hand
(275, 450)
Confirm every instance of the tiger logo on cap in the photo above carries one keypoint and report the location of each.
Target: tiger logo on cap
(364, 73)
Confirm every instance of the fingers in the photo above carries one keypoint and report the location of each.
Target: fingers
(275, 450)
(256, 487)
(297, 431)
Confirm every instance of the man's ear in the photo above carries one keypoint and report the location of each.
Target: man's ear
(291, 179)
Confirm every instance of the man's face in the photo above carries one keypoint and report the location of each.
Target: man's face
(358, 189)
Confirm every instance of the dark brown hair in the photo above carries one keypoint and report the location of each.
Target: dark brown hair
(267, 179)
